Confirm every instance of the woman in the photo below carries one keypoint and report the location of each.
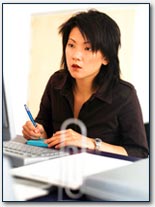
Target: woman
(89, 88)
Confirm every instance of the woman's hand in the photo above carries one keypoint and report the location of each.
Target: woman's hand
(69, 137)
(31, 132)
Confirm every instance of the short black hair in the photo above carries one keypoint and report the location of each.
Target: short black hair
(101, 31)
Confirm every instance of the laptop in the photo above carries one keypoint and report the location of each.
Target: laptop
(126, 183)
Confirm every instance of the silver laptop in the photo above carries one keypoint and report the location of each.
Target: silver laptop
(126, 183)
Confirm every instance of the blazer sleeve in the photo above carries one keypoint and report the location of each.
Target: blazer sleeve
(132, 127)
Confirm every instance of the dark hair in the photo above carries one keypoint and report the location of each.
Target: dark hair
(103, 34)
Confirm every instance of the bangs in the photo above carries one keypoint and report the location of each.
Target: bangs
(91, 38)
(90, 32)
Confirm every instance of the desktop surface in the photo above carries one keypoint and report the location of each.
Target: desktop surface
(68, 171)
(51, 193)
(122, 184)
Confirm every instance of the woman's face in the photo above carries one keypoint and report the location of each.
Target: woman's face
(82, 62)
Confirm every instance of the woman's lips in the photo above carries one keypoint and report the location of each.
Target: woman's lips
(75, 66)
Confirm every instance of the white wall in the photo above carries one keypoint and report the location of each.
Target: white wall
(140, 60)
(16, 53)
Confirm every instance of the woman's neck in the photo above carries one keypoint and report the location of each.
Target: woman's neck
(82, 92)
(83, 88)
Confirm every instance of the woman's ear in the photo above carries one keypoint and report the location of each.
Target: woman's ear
(105, 61)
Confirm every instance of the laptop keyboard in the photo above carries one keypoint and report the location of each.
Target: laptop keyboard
(22, 154)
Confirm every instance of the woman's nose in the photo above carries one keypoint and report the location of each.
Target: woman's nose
(77, 54)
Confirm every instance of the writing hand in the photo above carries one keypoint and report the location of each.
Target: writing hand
(31, 132)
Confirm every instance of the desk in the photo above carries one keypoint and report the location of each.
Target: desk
(125, 183)
(59, 194)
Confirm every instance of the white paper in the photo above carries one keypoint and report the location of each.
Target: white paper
(68, 171)
(25, 192)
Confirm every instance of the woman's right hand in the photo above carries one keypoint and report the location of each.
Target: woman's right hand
(31, 132)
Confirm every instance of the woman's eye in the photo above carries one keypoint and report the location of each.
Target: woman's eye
(70, 45)
(88, 48)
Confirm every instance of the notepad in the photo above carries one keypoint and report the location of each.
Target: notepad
(37, 142)
(68, 171)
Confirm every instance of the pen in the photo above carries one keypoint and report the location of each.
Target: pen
(30, 115)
